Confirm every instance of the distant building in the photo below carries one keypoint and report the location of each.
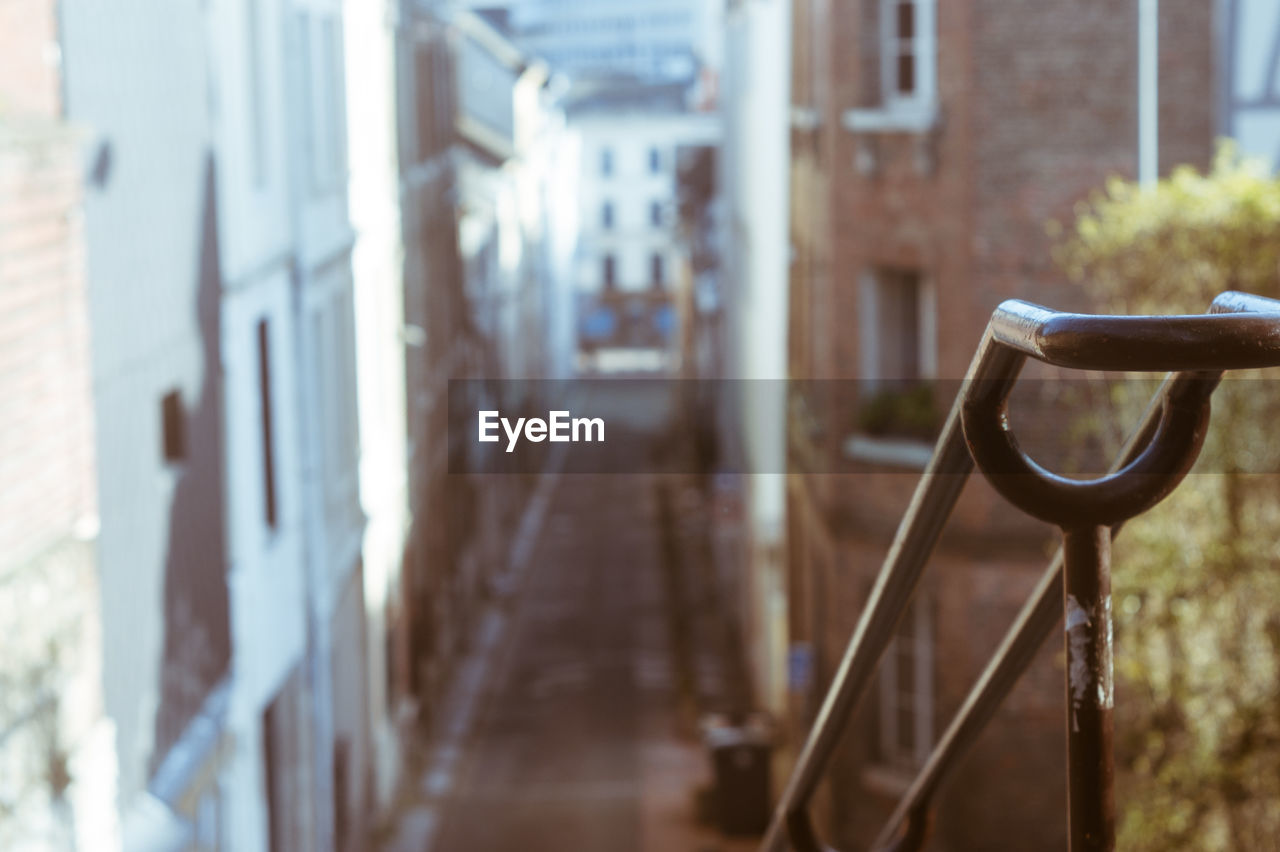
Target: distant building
(484, 299)
(641, 83)
(652, 41)
(630, 257)
(930, 142)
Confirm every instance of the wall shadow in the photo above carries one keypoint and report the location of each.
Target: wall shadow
(197, 636)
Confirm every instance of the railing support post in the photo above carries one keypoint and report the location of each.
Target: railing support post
(1090, 695)
(1085, 511)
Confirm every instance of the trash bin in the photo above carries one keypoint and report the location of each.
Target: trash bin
(740, 761)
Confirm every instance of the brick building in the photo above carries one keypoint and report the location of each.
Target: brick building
(930, 144)
(55, 745)
(477, 303)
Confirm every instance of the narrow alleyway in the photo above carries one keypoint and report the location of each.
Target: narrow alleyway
(582, 733)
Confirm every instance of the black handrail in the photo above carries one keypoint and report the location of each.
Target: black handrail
(1241, 331)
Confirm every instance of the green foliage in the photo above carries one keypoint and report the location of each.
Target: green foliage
(1196, 581)
(909, 412)
(1171, 246)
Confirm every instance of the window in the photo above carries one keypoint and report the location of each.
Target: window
(898, 309)
(277, 828)
(442, 94)
(307, 95)
(284, 745)
(173, 427)
(334, 99)
(257, 95)
(897, 330)
(431, 101)
(351, 408)
(321, 358)
(331, 396)
(423, 102)
(270, 509)
(655, 214)
(656, 270)
(610, 272)
(907, 52)
(606, 215)
(897, 327)
(322, 95)
(335, 335)
(341, 782)
(901, 47)
(655, 160)
(606, 161)
(391, 643)
(906, 692)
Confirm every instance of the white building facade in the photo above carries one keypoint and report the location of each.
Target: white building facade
(452, 154)
(279, 613)
(219, 266)
(630, 254)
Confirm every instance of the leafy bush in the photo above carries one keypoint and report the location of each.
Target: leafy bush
(1196, 581)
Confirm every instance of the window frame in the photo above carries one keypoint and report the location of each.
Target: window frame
(256, 83)
(889, 751)
(609, 272)
(173, 428)
(923, 51)
(880, 434)
(267, 433)
(872, 324)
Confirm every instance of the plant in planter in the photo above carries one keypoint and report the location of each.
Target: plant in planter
(908, 411)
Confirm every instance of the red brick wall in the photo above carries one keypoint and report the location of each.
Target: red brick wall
(1188, 83)
(1055, 114)
(29, 58)
(1038, 107)
(46, 437)
(46, 413)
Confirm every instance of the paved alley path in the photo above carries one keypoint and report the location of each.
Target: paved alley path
(576, 743)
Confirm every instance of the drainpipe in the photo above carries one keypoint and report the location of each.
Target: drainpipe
(1148, 92)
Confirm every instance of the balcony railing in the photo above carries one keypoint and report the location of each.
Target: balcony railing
(1239, 332)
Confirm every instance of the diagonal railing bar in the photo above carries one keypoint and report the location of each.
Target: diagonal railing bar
(930, 506)
(1242, 331)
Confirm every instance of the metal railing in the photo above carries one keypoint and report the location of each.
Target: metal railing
(1240, 332)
